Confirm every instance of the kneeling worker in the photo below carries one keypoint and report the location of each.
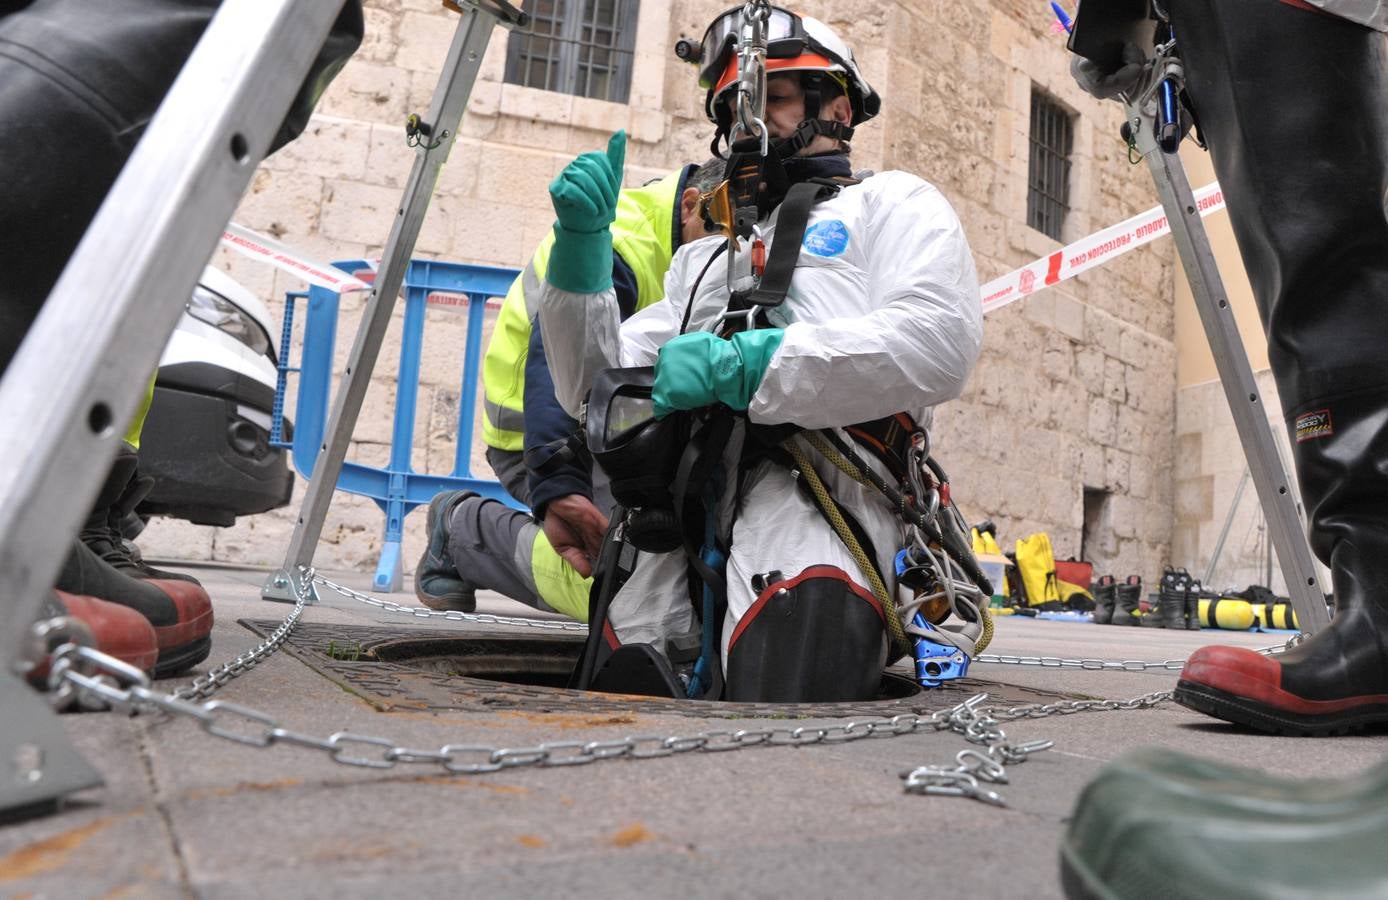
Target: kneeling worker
(545, 560)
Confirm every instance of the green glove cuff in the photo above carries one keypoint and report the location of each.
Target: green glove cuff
(736, 381)
(700, 369)
(581, 261)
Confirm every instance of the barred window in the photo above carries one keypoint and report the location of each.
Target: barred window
(580, 47)
(1048, 178)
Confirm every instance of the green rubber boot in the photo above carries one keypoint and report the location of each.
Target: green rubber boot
(1160, 824)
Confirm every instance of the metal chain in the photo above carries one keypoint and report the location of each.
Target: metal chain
(1124, 665)
(93, 675)
(452, 615)
(208, 684)
(86, 675)
(982, 725)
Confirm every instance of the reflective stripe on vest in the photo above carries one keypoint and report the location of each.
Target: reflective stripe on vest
(642, 233)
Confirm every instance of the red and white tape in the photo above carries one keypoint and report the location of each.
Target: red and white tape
(295, 262)
(1096, 249)
(1086, 253)
(268, 250)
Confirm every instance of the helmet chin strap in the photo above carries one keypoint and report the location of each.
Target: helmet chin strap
(807, 131)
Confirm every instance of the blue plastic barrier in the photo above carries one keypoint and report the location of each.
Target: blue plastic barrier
(397, 489)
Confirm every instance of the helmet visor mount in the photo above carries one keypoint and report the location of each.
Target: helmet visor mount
(785, 38)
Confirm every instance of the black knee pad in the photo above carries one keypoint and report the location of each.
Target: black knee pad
(815, 637)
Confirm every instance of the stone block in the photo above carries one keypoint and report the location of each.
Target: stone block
(1115, 386)
(515, 176)
(389, 160)
(1103, 417)
(493, 233)
(1117, 470)
(1131, 429)
(379, 39)
(423, 41)
(368, 92)
(284, 205)
(358, 212)
(1069, 317)
(1194, 499)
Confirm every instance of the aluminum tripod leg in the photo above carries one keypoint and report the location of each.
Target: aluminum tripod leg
(445, 112)
(74, 384)
(1245, 402)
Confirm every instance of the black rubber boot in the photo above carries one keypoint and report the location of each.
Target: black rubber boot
(1294, 105)
(79, 86)
(1128, 600)
(1105, 596)
(121, 492)
(1191, 605)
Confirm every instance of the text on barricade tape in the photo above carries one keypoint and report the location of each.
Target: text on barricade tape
(1086, 253)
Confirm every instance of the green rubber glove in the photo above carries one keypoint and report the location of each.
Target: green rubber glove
(585, 201)
(700, 369)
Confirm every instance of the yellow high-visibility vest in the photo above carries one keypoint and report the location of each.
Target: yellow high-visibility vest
(643, 233)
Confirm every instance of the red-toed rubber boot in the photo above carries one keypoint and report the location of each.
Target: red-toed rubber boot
(180, 611)
(1294, 106)
(116, 631)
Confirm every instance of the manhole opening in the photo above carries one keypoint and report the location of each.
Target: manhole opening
(540, 663)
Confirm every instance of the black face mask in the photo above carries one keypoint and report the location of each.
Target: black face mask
(834, 164)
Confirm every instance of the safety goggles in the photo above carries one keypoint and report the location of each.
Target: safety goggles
(785, 38)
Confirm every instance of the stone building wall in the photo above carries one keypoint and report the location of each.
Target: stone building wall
(1076, 385)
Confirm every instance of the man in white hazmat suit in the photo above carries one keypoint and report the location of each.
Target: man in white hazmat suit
(882, 316)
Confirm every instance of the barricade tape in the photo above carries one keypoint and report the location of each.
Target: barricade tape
(266, 249)
(1086, 253)
(1062, 265)
(282, 256)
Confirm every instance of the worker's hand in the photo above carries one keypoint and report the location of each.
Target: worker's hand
(575, 528)
(585, 201)
(585, 193)
(1107, 85)
(700, 369)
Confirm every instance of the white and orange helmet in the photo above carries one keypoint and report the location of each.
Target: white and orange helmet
(794, 44)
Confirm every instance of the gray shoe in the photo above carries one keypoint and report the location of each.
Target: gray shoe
(436, 580)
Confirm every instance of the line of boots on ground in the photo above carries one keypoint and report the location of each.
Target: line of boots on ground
(1177, 606)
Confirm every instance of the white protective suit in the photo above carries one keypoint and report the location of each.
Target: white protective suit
(883, 315)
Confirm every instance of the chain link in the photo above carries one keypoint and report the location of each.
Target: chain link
(452, 615)
(1122, 665)
(203, 687)
(978, 725)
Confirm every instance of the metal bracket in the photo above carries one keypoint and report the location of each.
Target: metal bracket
(288, 585)
(38, 766)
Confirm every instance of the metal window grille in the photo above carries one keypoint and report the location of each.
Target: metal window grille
(580, 47)
(1048, 178)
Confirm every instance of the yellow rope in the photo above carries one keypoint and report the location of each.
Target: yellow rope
(879, 590)
(846, 466)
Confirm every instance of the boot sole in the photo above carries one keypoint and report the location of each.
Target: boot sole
(178, 659)
(1262, 717)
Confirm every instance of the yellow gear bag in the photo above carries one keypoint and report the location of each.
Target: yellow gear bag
(1036, 563)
